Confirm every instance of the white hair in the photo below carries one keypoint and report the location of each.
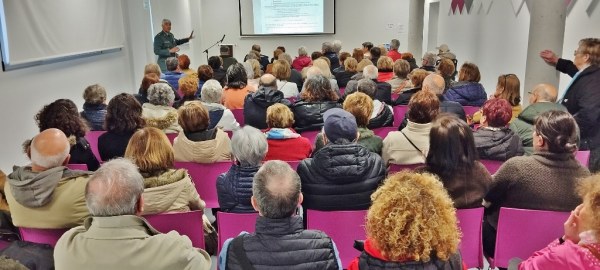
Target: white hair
(161, 94)
(370, 72)
(302, 51)
(211, 91)
(53, 161)
(249, 69)
(337, 46)
(249, 146)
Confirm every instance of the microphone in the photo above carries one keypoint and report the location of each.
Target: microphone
(223, 38)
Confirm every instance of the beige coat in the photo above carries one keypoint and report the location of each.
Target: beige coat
(397, 149)
(208, 151)
(125, 242)
(173, 191)
(161, 117)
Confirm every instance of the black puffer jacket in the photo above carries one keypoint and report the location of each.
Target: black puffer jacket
(499, 144)
(256, 104)
(385, 118)
(341, 177)
(383, 92)
(234, 189)
(309, 115)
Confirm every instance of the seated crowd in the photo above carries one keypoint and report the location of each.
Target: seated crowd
(257, 116)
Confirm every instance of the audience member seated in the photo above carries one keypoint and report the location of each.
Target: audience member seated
(46, 194)
(252, 83)
(184, 65)
(400, 81)
(393, 53)
(467, 91)
(276, 54)
(165, 189)
(328, 51)
(345, 75)
(263, 59)
(361, 106)
(453, 158)
(343, 56)
(544, 181)
(158, 112)
(199, 143)
(343, 174)
(411, 144)
(382, 115)
(63, 114)
(579, 247)
(280, 240)
(295, 76)
(428, 62)
(216, 63)
(366, 48)
(94, 108)
(358, 54)
(400, 231)
(360, 68)
(282, 71)
(541, 99)
(173, 73)
(281, 137)
(123, 118)
(3, 204)
(322, 64)
(153, 68)
(234, 188)
(384, 90)
(237, 87)
(508, 88)
(302, 60)
(115, 237)
(256, 104)
(147, 81)
(315, 99)
(445, 53)
(219, 115)
(375, 54)
(416, 78)
(494, 140)
(446, 70)
(410, 58)
(188, 86)
(385, 69)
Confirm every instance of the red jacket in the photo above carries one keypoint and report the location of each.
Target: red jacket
(301, 62)
(288, 149)
(395, 55)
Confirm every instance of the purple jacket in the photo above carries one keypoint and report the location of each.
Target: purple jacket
(467, 94)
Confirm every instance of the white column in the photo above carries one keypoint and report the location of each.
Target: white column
(415, 27)
(546, 31)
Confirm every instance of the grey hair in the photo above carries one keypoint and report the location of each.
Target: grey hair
(160, 94)
(313, 71)
(211, 92)
(249, 69)
(172, 63)
(351, 87)
(434, 83)
(166, 21)
(285, 57)
(367, 86)
(370, 72)
(53, 161)
(114, 189)
(94, 94)
(302, 51)
(394, 44)
(337, 46)
(430, 58)
(249, 146)
(327, 47)
(276, 188)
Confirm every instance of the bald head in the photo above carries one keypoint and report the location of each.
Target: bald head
(434, 83)
(276, 190)
(268, 80)
(543, 93)
(50, 149)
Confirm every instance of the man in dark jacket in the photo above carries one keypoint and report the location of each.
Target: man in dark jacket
(280, 235)
(256, 104)
(343, 174)
(384, 90)
(329, 52)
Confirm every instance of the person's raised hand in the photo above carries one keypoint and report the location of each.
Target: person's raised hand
(174, 50)
(549, 57)
(572, 226)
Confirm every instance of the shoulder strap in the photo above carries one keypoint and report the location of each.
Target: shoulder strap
(411, 143)
(238, 249)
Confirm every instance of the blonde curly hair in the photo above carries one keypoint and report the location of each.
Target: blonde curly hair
(412, 217)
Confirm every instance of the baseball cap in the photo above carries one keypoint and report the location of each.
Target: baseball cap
(443, 48)
(339, 124)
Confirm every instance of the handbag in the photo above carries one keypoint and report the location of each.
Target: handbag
(211, 240)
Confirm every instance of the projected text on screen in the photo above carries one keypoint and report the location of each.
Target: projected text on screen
(288, 16)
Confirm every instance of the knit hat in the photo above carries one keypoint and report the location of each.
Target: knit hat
(339, 124)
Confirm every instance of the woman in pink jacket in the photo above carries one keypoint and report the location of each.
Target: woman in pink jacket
(579, 248)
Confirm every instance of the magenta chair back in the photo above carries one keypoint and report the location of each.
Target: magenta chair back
(42, 236)
(342, 226)
(232, 224)
(583, 157)
(491, 165)
(399, 112)
(521, 232)
(384, 131)
(311, 135)
(399, 167)
(81, 167)
(469, 222)
(342, 90)
(185, 223)
(239, 116)
(294, 164)
(172, 137)
(92, 138)
(470, 110)
(205, 179)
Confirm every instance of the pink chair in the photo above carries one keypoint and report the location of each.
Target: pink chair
(92, 138)
(185, 223)
(311, 135)
(42, 236)
(491, 165)
(399, 112)
(205, 179)
(399, 167)
(583, 157)
(470, 221)
(232, 224)
(81, 167)
(521, 232)
(342, 226)
(294, 164)
(239, 116)
(470, 110)
(172, 137)
(383, 131)
(342, 90)
(395, 96)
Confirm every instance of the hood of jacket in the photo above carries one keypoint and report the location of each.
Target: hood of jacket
(532, 111)
(35, 189)
(499, 144)
(346, 163)
(266, 96)
(161, 117)
(206, 151)
(161, 192)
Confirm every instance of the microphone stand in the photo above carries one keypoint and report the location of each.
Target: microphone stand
(206, 51)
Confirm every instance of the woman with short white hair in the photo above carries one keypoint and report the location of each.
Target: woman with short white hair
(219, 115)
(158, 112)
